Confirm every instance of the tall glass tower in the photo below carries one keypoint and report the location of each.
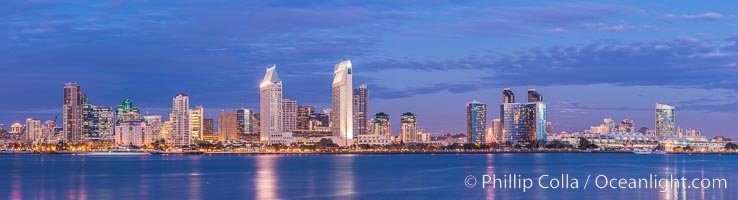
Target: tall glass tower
(665, 120)
(361, 106)
(180, 120)
(270, 104)
(342, 115)
(74, 102)
(476, 122)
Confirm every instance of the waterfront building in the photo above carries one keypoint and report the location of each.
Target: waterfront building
(196, 123)
(156, 125)
(408, 128)
(74, 102)
(289, 115)
(608, 125)
(665, 120)
(126, 111)
(32, 133)
(534, 96)
(304, 114)
(134, 132)
(227, 126)
(16, 128)
(244, 120)
(256, 127)
(341, 115)
(496, 132)
(97, 124)
(373, 139)
(361, 108)
(270, 104)
(523, 122)
(208, 126)
(180, 120)
(627, 126)
(47, 131)
(382, 125)
(476, 122)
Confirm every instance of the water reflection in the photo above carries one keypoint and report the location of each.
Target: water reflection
(344, 179)
(490, 193)
(265, 182)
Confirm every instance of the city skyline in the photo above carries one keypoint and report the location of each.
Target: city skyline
(633, 55)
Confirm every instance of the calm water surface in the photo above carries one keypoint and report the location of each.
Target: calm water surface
(345, 176)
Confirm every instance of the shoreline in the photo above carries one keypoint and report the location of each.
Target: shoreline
(103, 153)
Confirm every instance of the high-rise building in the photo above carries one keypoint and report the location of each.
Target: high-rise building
(627, 126)
(549, 128)
(47, 131)
(132, 132)
(382, 125)
(361, 108)
(74, 102)
(289, 115)
(244, 119)
(665, 120)
(342, 121)
(32, 133)
(256, 127)
(680, 132)
(304, 114)
(16, 128)
(476, 122)
(156, 125)
(496, 127)
(196, 123)
(408, 128)
(227, 126)
(608, 125)
(97, 123)
(126, 111)
(208, 126)
(270, 104)
(534, 96)
(180, 120)
(508, 96)
(523, 122)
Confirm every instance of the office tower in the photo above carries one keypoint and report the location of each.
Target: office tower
(16, 128)
(476, 122)
(156, 126)
(97, 123)
(508, 96)
(289, 115)
(74, 102)
(126, 111)
(244, 119)
(227, 126)
(47, 131)
(627, 126)
(408, 128)
(180, 120)
(132, 132)
(496, 127)
(361, 108)
(341, 115)
(523, 122)
(304, 114)
(256, 127)
(270, 104)
(208, 126)
(665, 120)
(382, 125)
(549, 128)
(196, 123)
(534, 96)
(32, 133)
(608, 126)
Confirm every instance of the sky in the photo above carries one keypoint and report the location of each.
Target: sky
(612, 59)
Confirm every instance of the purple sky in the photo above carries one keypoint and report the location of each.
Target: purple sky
(589, 60)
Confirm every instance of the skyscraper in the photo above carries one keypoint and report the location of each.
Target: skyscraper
(534, 96)
(196, 123)
(523, 122)
(32, 133)
(476, 122)
(508, 96)
(227, 126)
(382, 125)
(74, 101)
(408, 128)
(156, 126)
(97, 123)
(608, 125)
(270, 104)
(208, 126)
(180, 120)
(244, 119)
(289, 115)
(341, 115)
(627, 126)
(47, 131)
(496, 126)
(304, 114)
(665, 120)
(126, 111)
(361, 108)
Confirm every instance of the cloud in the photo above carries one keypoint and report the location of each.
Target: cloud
(708, 16)
(616, 28)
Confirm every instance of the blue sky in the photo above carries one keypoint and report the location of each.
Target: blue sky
(589, 60)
